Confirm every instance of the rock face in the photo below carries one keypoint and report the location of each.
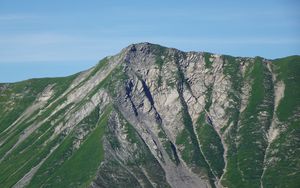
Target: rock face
(152, 116)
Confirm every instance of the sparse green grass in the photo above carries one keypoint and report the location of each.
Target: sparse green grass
(211, 145)
(29, 90)
(232, 70)
(285, 171)
(14, 136)
(159, 62)
(208, 97)
(80, 169)
(250, 154)
(73, 169)
(131, 133)
(20, 95)
(208, 63)
(27, 154)
(289, 72)
(232, 177)
(171, 83)
(168, 147)
(184, 139)
(111, 83)
(246, 169)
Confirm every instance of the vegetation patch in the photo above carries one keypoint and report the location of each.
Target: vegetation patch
(75, 169)
(211, 145)
(208, 63)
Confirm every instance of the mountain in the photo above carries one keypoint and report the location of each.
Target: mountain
(153, 116)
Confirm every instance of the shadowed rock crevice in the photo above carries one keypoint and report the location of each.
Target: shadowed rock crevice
(150, 98)
(129, 87)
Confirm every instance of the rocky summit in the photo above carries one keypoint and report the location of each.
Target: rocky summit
(153, 116)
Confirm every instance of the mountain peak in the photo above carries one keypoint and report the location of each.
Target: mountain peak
(153, 116)
(144, 47)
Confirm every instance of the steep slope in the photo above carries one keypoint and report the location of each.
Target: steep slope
(152, 116)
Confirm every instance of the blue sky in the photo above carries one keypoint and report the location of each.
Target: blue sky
(60, 37)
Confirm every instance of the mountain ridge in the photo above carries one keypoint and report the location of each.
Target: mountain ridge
(145, 43)
(161, 118)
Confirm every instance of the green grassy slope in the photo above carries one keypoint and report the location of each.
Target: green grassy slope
(283, 169)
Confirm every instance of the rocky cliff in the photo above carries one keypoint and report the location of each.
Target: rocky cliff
(152, 116)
